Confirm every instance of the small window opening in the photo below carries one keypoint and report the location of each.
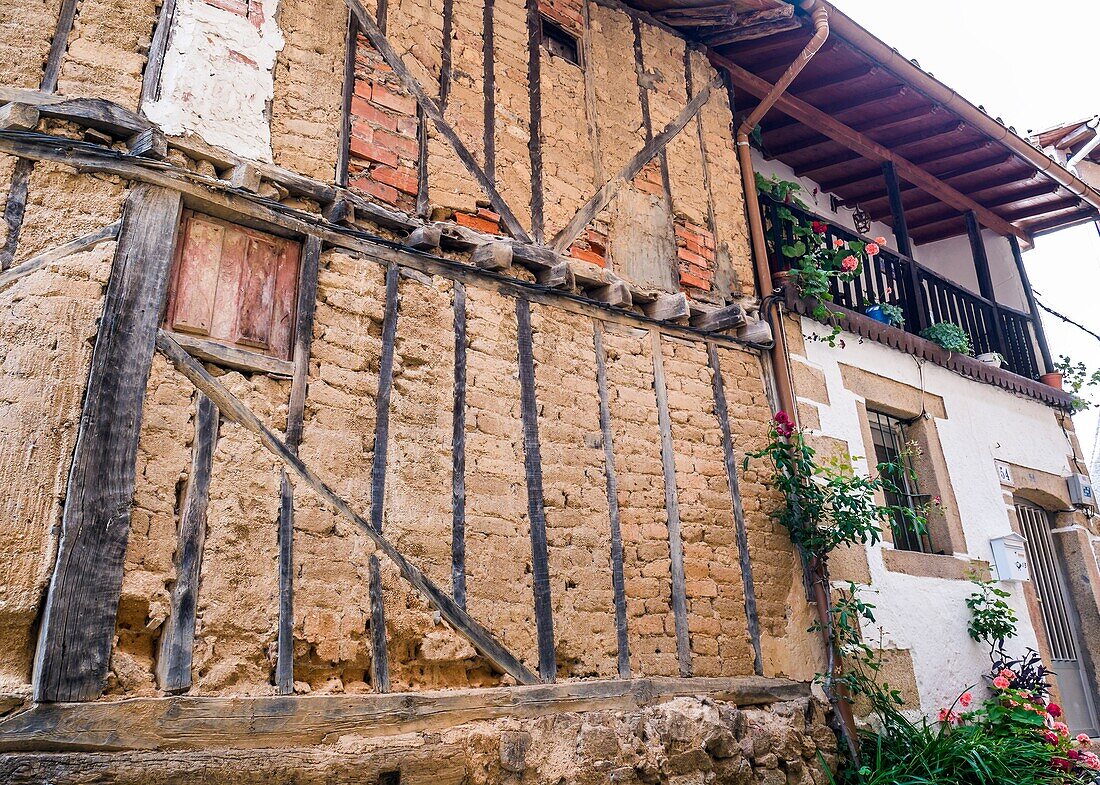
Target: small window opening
(560, 41)
(888, 436)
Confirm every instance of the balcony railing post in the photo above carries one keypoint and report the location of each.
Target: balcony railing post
(1036, 322)
(985, 281)
(918, 315)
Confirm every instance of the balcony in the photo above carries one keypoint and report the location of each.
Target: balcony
(924, 296)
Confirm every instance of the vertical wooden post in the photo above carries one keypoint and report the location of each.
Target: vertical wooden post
(380, 668)
(672, 510)
(536, 511)
(985, 282)
(618, 583)
(303, 342)
(918, 314)
(78, 623)
(721, 411)
(177, 639)
(534, 137)
(458, 453)
(1032, 306)
(344, 153)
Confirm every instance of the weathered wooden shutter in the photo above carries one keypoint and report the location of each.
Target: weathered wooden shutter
(234, 285)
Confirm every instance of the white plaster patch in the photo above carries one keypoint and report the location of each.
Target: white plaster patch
(217, 78)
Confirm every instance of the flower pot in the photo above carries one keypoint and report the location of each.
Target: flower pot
(781, 278)
(875, 312)
(992, 358)
(1052, 380)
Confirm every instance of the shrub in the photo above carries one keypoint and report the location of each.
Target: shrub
(950, 336)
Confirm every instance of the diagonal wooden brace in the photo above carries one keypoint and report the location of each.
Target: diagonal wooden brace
(370, 27)
(610, 189)
(234, 409)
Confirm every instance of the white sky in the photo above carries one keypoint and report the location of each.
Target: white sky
(1033, 64)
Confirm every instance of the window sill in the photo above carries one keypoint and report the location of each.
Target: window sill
(232, 356)
(933, 565)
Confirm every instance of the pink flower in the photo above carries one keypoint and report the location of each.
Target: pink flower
(1054, 710)
(1001, 683)
(1091, 760)
(1008, 674)
(784, 425)
(880, 240)
(1083, 739)
(838, 243)
(849, 264)
(948, 716)
(872, 249)
(965, 699)
(1062, 728)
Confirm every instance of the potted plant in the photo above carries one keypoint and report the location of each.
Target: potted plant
(887, 313)
(948, 336)
(996, 359)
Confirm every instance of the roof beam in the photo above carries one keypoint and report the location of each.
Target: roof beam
(898, 144)
(872, 174)
(757, 24)
(843, 106)
(813, 141)
(713, 14)
(867, 147)
(931, 209)
(873, 195)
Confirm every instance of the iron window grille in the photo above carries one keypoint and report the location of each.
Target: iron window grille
(888, 437)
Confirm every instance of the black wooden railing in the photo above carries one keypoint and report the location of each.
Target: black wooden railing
(924, 297)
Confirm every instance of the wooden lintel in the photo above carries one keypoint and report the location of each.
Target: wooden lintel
(233, 357)
(97, 113)
(187, 723)
(868, 147)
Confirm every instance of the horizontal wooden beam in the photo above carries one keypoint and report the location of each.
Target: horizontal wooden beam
(841, 107)
(812, 141)
(899, 145)
(183, 723)
(867, 147)
(757, 24)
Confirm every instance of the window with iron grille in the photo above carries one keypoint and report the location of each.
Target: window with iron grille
(888, 436)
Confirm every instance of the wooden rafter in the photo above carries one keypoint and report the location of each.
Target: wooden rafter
(869, 148)
(757, 24)
(232, 408)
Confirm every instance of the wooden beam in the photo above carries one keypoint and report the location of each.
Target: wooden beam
(295, 422)
(1032, 306)
(458, 451)
(899, 145)
(431, 109)
(536, 508)
(618, 581)
(757, 24)
(177, 637)
(58, 45)
(272, 722)
(158, 48)
(721, 411)
(492, 256)
(725, 318)
(78, 623)
(234, 409)
(233, 356)
(672, 511)
(15, 206)
(668, 307)
(867, 147)
(18, 117)
(38, 261)
(710, 15)
(611, 188)
(380, 669)
(534, 117)
(783, 125)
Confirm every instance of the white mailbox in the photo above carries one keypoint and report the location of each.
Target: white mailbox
(1010, 557)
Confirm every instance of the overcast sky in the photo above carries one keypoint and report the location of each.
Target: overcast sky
(1033, 64)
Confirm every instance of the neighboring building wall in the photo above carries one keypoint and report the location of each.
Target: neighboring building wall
(919, 598)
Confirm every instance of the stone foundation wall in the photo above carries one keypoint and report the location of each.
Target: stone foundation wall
(685, 739)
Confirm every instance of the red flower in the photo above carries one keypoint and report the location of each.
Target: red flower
(820, 227)
(1065, 764)
(838, 243)
(1051, 737)
(1054, 710)
(948, 716)
(784, 425)
(965, 698)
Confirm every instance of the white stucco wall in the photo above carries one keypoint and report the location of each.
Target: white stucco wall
(217, 78)
(984, 423)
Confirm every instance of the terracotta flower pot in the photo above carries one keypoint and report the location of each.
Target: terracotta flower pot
(1052, 380)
